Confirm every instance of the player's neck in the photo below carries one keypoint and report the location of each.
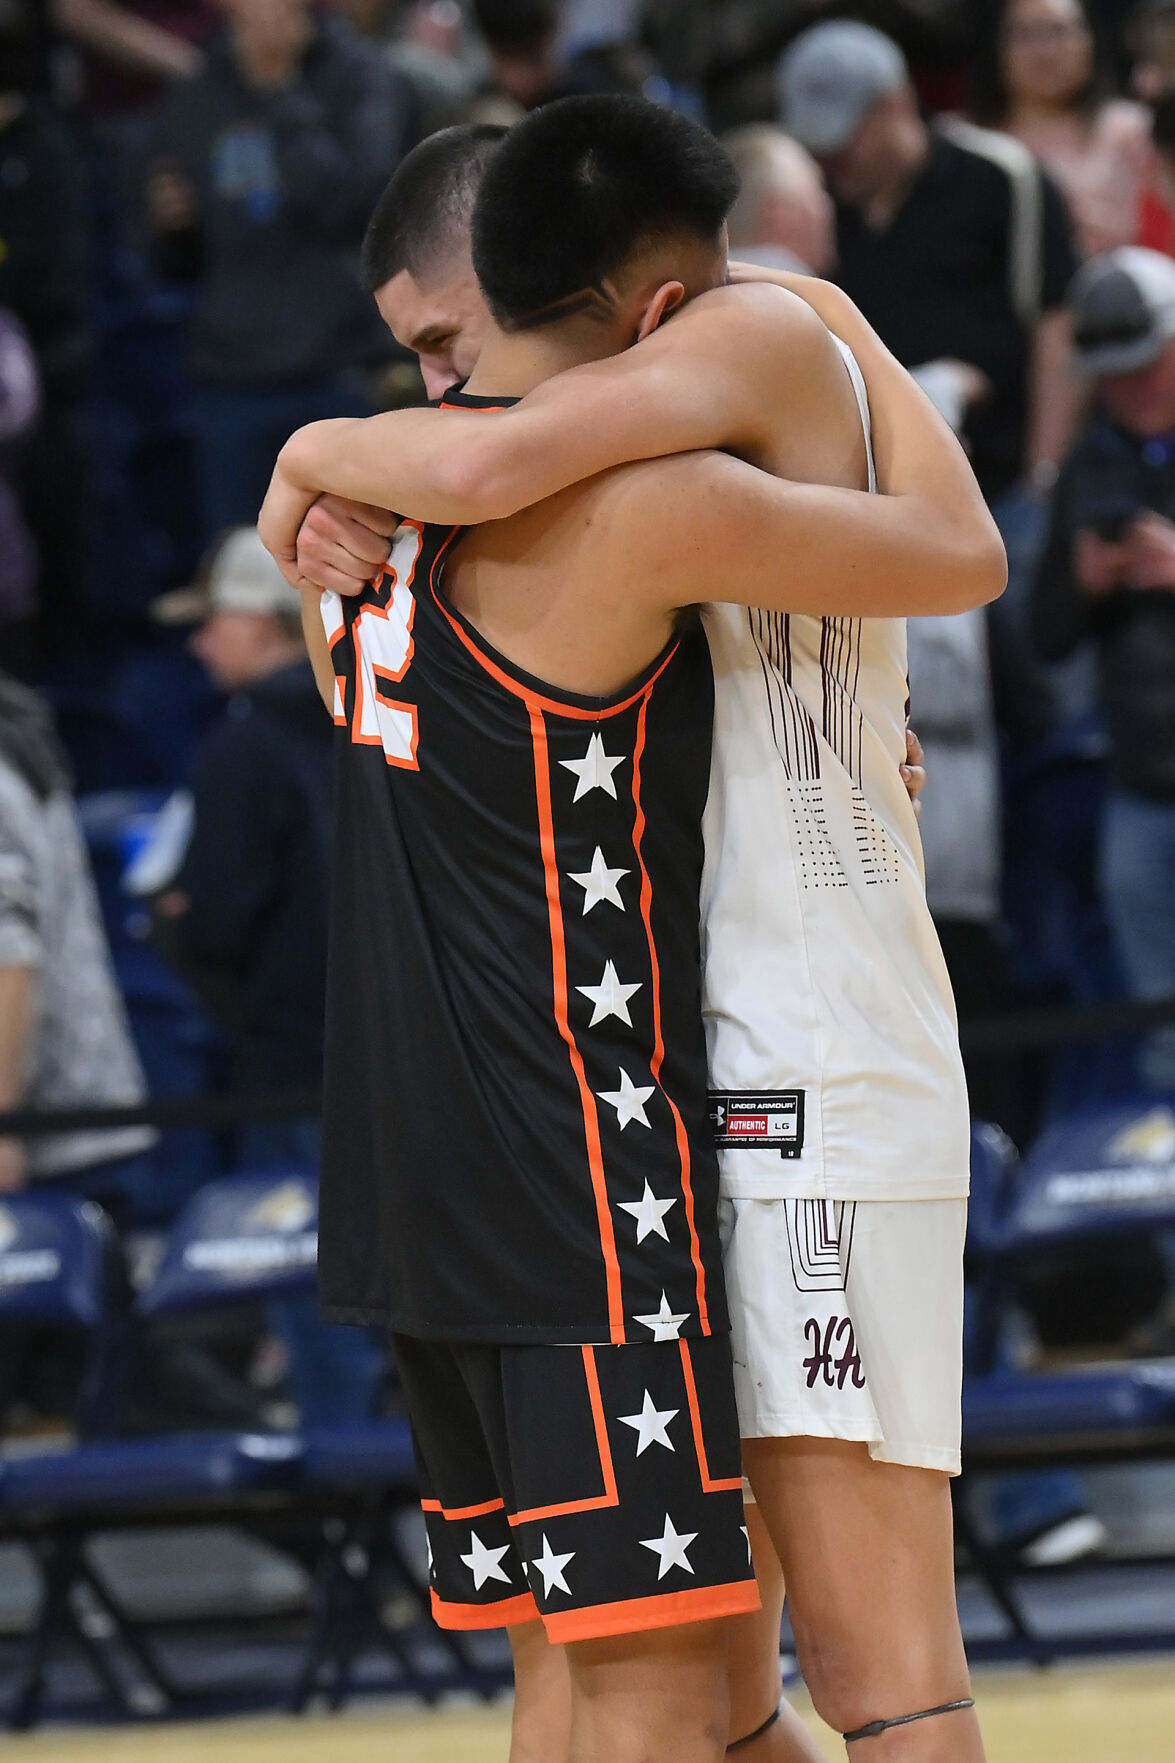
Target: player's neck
(513, 363)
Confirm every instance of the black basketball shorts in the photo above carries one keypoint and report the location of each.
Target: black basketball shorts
(598, 1488)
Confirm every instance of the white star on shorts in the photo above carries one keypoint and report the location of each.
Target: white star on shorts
(551, 1567)
(650, 1424)
(485, 1563)
(671, 1547)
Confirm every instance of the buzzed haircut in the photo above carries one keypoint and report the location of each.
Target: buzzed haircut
(421, 221)
(577, 188)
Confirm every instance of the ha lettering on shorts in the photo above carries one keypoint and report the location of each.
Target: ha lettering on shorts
(758, 1120)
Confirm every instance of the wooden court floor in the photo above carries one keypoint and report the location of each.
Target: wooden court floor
(1083, 1713)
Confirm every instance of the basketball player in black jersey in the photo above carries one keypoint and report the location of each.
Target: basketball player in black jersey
(395, 727)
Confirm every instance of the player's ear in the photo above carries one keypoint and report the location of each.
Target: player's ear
(667, 298)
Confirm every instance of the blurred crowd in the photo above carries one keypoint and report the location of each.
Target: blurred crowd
(184, 186)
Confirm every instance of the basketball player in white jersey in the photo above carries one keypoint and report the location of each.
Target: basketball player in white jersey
(838, 1093)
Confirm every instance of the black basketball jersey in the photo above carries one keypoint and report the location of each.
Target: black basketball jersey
(515, 1141)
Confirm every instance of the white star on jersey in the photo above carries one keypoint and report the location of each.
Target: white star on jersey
(671, 1546)
(649, 1213)
(599, 883)
(628, 1101)
(610, 997)
(650, 1424)
(594, 770)
(551, 1567)
(664, 1324)
(485, 1563)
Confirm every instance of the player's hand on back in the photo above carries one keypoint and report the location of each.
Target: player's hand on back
(342, 544)
(914, 770)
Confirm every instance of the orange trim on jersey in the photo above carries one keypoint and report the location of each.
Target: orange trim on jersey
(463, 1511)
(663, 1610)
(682, 1136)
(710, 1484)
(591, 1120)
(595, 1502)
(532, 699)
(472, 409)
(340, 716)
(518, 1609)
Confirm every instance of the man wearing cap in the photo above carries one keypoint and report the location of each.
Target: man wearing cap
(1107, 575)
(246, 915)
(951, 240)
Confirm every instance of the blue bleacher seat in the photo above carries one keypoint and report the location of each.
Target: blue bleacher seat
(52, 1253)
(1104, 1169)
(52, 1269)
(1119, 1408)
(99, 1476)
(245, 1236)
(360, 1454)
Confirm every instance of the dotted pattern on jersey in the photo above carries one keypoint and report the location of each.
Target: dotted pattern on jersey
(878, 853)
(820, 864)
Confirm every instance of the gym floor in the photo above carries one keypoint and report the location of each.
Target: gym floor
(1086, 1712)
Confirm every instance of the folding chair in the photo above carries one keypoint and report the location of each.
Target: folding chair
(249, 1237)
(53, 1269)
(1101, 1171)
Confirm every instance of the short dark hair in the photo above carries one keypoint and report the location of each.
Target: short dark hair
(576, 187)
(423, 215)
(517, 25)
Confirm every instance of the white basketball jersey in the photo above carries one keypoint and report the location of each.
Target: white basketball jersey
(834, 1057)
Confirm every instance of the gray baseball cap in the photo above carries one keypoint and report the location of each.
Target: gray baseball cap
(830, 78)
(241, 577)
(1123, 308)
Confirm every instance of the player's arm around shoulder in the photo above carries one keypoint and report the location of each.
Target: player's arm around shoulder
(713, 375)
(707, 527)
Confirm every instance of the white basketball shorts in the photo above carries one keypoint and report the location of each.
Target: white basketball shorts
(847, 1322)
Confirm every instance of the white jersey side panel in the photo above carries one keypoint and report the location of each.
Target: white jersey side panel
(833, 1044)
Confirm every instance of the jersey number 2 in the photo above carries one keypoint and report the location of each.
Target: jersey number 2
(382, 638)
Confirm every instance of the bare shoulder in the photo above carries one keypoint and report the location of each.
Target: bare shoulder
(763, 316)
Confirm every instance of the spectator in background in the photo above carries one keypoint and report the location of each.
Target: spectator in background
(932, 245)
(951, 703)
(135, 50)
(45, 284)
(1107, 576)
(1156, 216)
(522, 37)
(20, 399)
(1039, 79)
(261, 174)
(958, 249)
(1150, 42)
(783, 218)
(64, 1038)
(245, 918)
